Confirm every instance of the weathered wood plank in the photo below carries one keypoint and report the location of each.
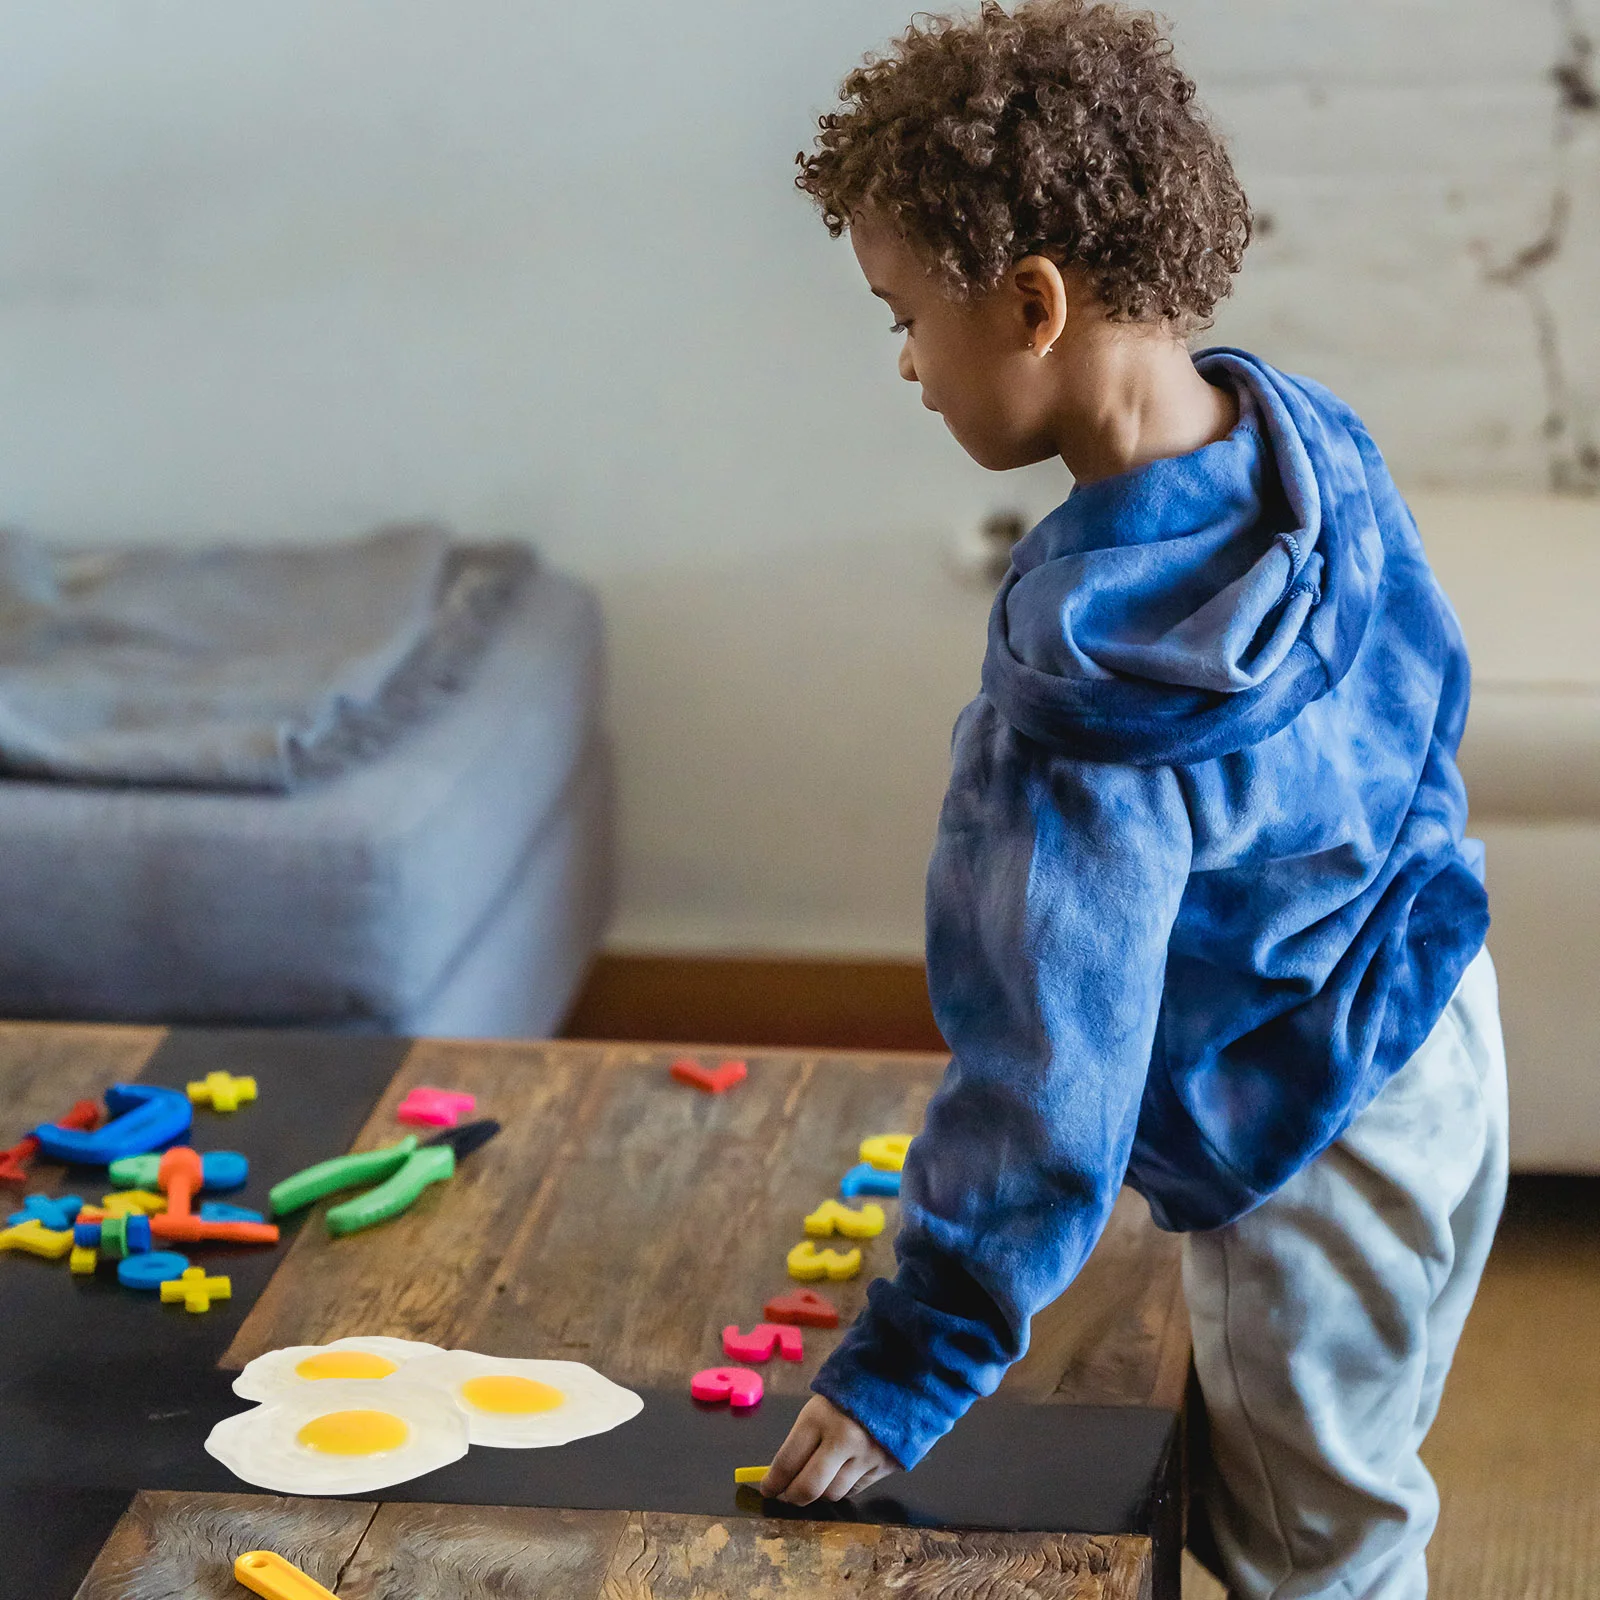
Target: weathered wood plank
(467, 1552)
(703, 1558)
(673, 1216)
(623, 1220)
(183, 1546)
(417, 1277)
(45, 1066)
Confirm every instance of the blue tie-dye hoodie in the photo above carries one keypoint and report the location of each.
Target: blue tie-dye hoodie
(1199, 887)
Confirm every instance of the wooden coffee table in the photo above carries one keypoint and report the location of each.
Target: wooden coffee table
(619, 1219)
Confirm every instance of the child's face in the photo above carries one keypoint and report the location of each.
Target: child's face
(980, 362)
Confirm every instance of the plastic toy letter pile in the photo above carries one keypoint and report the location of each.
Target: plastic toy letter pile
(156, 1202)
(164, 1190)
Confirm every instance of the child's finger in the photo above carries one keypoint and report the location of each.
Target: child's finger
(845, 1480)
(792, 1455)
(815, 1476)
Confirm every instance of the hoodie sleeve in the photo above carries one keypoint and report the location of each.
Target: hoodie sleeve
(1052, 893)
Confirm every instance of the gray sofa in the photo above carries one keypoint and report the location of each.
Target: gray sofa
(455, 884)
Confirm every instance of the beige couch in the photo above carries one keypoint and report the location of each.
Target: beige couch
(1524, 573)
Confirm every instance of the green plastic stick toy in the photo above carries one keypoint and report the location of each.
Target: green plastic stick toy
(401, 1172)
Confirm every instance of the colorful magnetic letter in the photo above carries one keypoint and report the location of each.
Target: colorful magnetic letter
(759, 1343)
(195, 1289)
(84, 1114)
(222, 1091)
(831, 1217)
(114, 1237)
(38, 1240)
(82, 1261)
(435, 1108)
(750, 1474)
(54, 1214)
(125, 1202)
(144, 1116)
(803, 1306)
(737, 1385)
(688, 1070)
(807, 1263)
(151, 1271)
(187, 1229)
(223, 1170)
(886, 1151)
(180, 1175)
(866, 1179)
(220, 1171)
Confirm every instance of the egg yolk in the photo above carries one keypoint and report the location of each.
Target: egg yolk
(353, 1433)
(345, 1364)
(516, 1396)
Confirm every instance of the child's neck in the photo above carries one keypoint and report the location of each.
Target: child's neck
(1132, 396)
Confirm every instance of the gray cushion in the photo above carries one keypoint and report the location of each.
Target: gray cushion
(347, 901)
(518, 973)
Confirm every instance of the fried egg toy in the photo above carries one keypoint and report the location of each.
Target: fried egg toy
(521, 1404)
(279, 1372)
(342, 1437)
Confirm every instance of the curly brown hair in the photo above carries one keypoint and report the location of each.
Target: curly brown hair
(1065, 129)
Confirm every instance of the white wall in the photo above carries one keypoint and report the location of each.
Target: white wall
(276, 271)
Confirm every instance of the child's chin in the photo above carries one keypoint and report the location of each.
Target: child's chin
(997, 456)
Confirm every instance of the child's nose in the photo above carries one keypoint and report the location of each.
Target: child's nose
(908, 369)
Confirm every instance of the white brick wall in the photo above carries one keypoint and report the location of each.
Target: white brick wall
(277, 268)
(1402, 156)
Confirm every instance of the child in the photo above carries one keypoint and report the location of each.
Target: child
(1201, 917)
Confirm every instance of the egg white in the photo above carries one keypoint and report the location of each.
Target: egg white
(593, 1403)
(273, 1374)
(260, 1445)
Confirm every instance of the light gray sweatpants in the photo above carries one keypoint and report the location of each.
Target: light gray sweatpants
(1325, 1321)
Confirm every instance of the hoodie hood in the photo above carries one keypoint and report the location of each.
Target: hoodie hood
(1195, 605)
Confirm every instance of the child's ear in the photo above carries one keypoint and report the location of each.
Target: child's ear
(1046, 299)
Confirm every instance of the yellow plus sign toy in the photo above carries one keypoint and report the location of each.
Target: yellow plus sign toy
(222, 1092)
(196, 1290)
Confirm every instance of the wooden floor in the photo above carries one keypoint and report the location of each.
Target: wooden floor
(1516, 1449)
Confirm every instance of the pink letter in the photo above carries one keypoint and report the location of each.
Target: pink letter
(737, 1385)
(757, 1344)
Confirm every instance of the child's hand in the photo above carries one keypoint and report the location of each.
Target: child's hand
(827, 1454)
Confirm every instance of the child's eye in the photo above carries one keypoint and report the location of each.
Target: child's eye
(901, 327)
